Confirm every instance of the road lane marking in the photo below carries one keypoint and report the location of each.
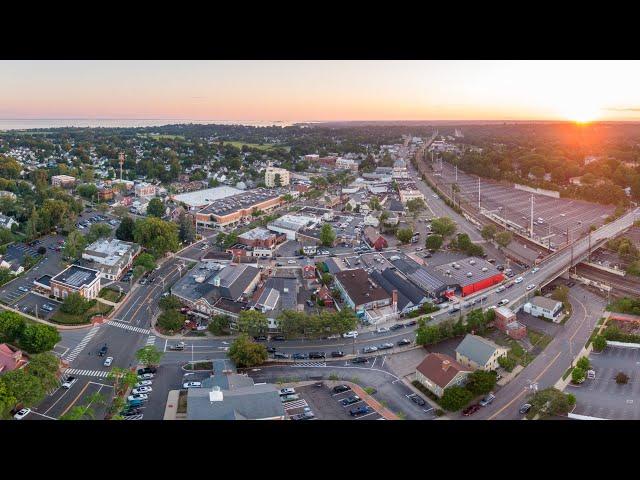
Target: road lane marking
(75, 399)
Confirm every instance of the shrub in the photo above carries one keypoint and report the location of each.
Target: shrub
(578, 375)
(455, 398)
(75, 304)
(481, 382)
(622, 378)
(599, 343)
(583, 363)
(171, 320)
(507, 363)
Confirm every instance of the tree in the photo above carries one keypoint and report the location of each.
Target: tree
(38, 338)
(219, 325)
(187, 231)
(74, 245)
(156, 235)
(120, 211)
(550, 401)
(327, 235)
(156, 208)
(599, 343)
(489, 231)
(252, 322)
(11, 326)
(171, 320)
(169, 302)
(415, 206)
(578, 375)
(44, 366)
(124, 231)
(481, 382)
(326, 278)
(98, 230)
(374, 203)
(7, 400)
(145, 260)
(25, 388)
(503, 239)
(79, 412)
(122, 378)
(507, 362)
(583, 363)
(245, 353)
(149, 356)
(443, 226)
(404, 235)
(454, 398)
(622, 378)
(561, 294)
(434, 242)
(75, 304)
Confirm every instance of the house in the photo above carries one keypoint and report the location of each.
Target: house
(278, 294)
(543, 307)
(76, 279)
(64, 181)
(145, 189)
(261, 237)
(505, 321)
(7, 222)
(439, 371)
(112, 257)
(359, 291)
(479, 353)
(227, 395)
(324, 295)
(10, 358)
(374, 239)
(309, 271)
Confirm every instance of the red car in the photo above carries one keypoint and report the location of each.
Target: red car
(470, 410)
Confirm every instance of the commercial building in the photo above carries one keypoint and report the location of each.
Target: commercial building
(427, 281)
(202, 198)
(506, 322)
(233, 209)
(227, 395)
(261, 238)
(313, 157)
(145, 189)
(439, 371)
(374, 239)
(270, 175)
(409, 297)
(359, 291)
(112, 257)
(64, 181)
(469, 275)
(347, 164)
(76, 279)
(407, 194)
(479, 353)
(290, 225)
(543, 307)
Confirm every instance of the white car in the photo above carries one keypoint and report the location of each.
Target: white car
(352, 334)
(146, 376)
(434, 195)
(502, 302)
(108, 361)
(192, 385)
(518, 280)
(69, 382)
(138, 396)
(287, 391)
(531, 287)
(22, 413)
(325, 252)
(291, 262)
(143, 383)
(419, 249)
(138, 391)
(382, 329)
(535, 270)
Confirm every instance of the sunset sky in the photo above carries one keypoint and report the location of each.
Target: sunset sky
(321, 90)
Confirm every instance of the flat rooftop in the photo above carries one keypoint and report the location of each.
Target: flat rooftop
(257, 233)
(239, 201)
(458, 271)
(108, 251)
(207, 196)
(76, 276)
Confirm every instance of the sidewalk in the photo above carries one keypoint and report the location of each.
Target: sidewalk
(372, 402)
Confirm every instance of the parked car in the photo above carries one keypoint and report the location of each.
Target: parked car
(411, 323)
(192, 385)
(143, 383)
(524, 409)
(103, 350)
(352, 334)
(22, 413)
(370, 349)
(317, 355)
(487, 400)
(303, 416)
(360, 360)
(350, 400)
(503, 302)
(142, 371)
(337, 354)
(146, 376)
(363, 410)
(108, 361)
(397, 326)
(382, 329)
(341, 388)
(271, 349)
(287, 391)
(403, 342)
(24, 289)
(68, 383)
(279, 338)
(47, 307)
(518, 280)
(418, 400)
(280, 355)
(470, 410)
(138, 396)
(260, 338)
(138, 391)
(300, 356)
(385, 346)
(289, 398)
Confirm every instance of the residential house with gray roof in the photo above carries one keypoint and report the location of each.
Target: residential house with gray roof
(479, 353)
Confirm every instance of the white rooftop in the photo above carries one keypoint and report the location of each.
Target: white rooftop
(201, 198)
(107, 252)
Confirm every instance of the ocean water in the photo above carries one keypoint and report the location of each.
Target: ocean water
(25, 124)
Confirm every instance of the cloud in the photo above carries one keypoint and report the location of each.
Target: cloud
(623, 109)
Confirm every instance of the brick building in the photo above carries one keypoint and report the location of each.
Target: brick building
(506, 322)
(64, 181)
(76, 279)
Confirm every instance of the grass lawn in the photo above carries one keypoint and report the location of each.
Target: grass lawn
(69, 319)
(158, 136)
(516, 352)
(539, 339)
(256, 145)
(199, 366)
(111, 295)
(182, 402)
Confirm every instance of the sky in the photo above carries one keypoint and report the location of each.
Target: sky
(321, 90)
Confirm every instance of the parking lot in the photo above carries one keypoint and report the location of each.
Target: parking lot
(602, 397)
(558, 214)
(326, 404)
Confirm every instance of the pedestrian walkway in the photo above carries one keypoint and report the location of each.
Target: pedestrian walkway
(295, 404)
(83, 343)
(126, 326)
(133, 417)
(309, 364)
(151, 341)
(86, 373)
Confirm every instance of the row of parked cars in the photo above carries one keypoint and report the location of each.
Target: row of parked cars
(351, 400)
(140, 393)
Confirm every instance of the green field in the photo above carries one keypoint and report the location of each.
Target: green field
(256, 146)
(68, 319)
(158, 136)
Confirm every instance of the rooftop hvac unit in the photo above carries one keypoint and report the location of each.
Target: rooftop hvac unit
(469, 274)
(472, 262)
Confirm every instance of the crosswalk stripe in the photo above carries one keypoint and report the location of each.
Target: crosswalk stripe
(309, 364)
(86, 373)
(76, 351)
(151, 340)
(295, 404)
(126, 326)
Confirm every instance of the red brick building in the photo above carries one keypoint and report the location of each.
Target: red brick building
(76, 279)
(506, 322)
(374, 239)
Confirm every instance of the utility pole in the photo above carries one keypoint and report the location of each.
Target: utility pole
(531, 225)
(589, 251)
(478, 193)
(456, 168)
